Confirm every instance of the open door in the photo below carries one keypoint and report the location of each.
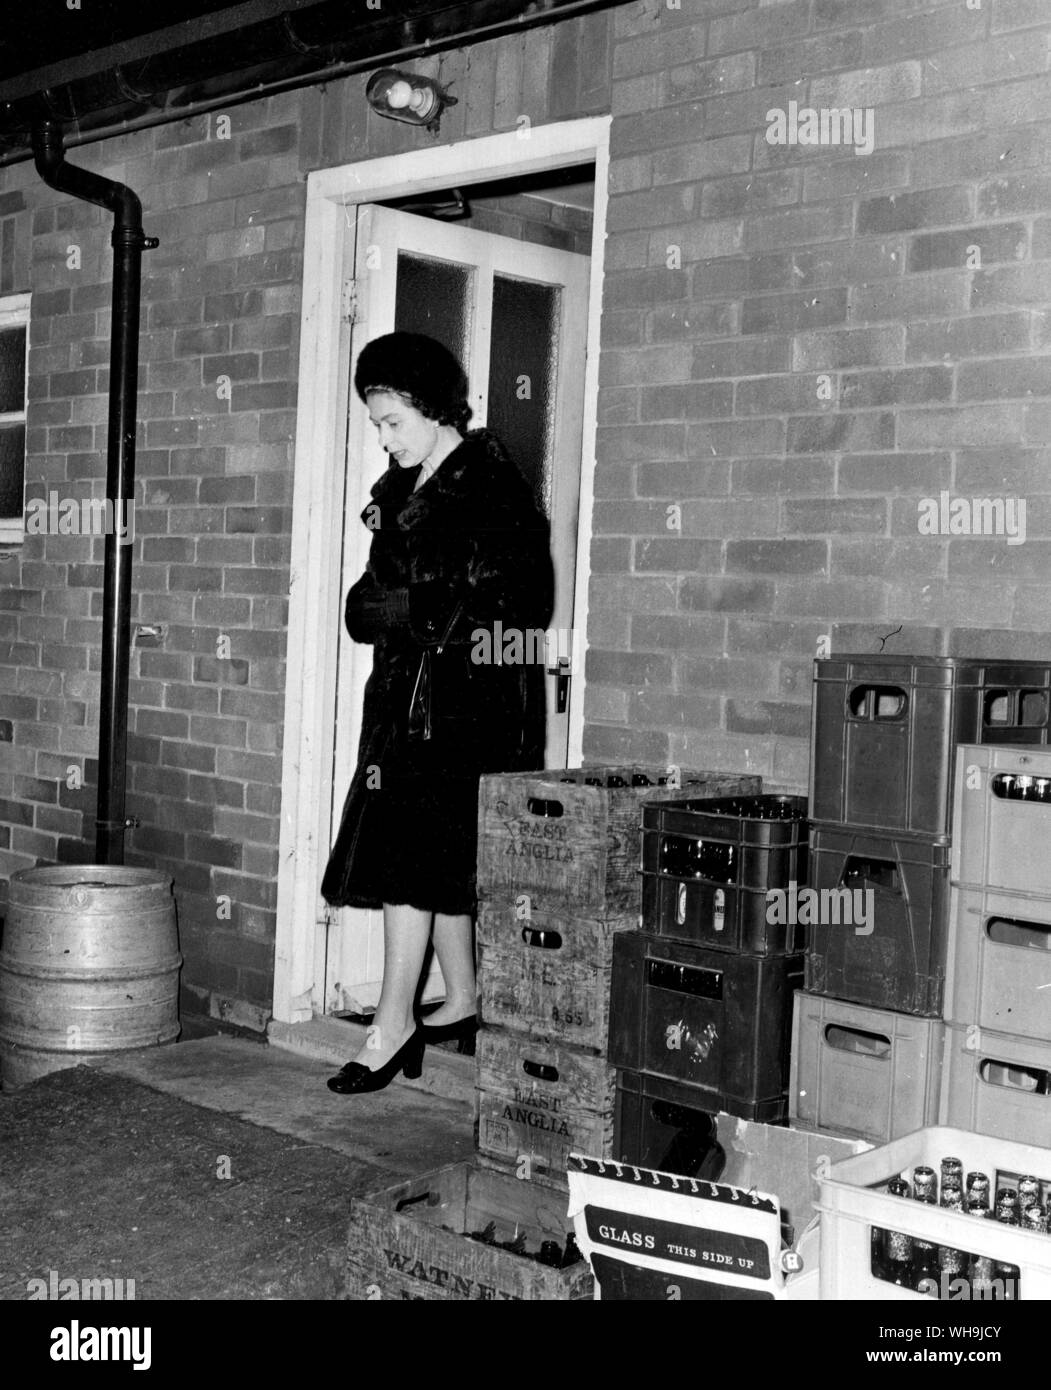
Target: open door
(515, 314)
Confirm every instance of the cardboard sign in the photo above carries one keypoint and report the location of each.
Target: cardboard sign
(650, 1235)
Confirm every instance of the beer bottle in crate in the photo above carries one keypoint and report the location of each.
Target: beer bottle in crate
(1007, 1214)
(952, 1174)
(925, 1268)
(978, 1189)
(1028, 1192)
(892, 1251)
(983, 1267)
(952, 1263)
(1034, 1218)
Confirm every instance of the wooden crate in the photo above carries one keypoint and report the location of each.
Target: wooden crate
(553, 833)
(548, 973)
(540, 1101)
(408, 1241)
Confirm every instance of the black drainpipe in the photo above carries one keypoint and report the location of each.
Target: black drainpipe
(128, 245)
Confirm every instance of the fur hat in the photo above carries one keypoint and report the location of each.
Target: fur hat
(419, 368)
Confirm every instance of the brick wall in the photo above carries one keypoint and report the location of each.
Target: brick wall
(798, 344)
(221, 299)
(843, 336)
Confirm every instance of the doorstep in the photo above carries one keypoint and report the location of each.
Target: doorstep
(334, 1040)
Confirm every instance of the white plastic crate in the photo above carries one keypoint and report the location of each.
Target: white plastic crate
(999, 842)
(862, 1071)
(998, 972)
(996, 1083)
(850, 1208)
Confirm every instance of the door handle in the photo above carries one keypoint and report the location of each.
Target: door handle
(564, 676)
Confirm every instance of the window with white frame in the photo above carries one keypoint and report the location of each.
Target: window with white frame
(14, 333)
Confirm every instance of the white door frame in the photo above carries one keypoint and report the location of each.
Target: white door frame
(320, 469)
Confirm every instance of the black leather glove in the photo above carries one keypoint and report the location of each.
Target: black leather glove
(431, 605)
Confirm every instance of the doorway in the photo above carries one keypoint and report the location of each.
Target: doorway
(315, 973)
(514, 312)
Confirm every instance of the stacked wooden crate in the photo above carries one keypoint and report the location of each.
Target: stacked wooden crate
(558, 857)
(557, 872)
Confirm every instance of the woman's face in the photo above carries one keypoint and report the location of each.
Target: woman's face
(407, 435)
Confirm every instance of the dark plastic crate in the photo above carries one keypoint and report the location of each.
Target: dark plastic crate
(708, 867)
(664, 1125)
(900, 963)
(885, 730)
(717, 1022)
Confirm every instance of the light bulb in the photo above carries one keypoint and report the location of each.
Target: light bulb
(400, 95)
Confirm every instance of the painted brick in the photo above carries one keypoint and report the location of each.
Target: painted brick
(767, 716)
(990, 60)
(704, 79)
(850, 347)
(1028, 192)
(729, 154)
(772, 395)
(787, 313)
(777, 557)
(729, 517)
(696, 321)
(970, 425)
(835, 516)
(742, 358)
(697, 477)
(796, 61)
(887, 473)
(977, 336)
(1004, 380)
(735, 438)
(874, 86)
(841, 432)
(628, 668)
(909, 385)
(677, 633)
(674, 556)
(655, 52)
(898, 212)
(726, 595)
(744, 194)
(799, 476)
(796, 226)
(1023, 284)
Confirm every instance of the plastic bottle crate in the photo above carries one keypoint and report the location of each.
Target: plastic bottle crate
(717, 1022)
(897, 961)
(851, 1207)
(1002, 819)
(866, 1072)
(998, 972)
(540, 1100)
(571, 837)
(410, 1241)
(668, 1125)
(885, 730)
(708, 868)
(997, 1083)
(547, 973)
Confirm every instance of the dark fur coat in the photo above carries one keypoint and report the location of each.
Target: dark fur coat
(473, 532)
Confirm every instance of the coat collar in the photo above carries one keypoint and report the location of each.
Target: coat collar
(453, 484)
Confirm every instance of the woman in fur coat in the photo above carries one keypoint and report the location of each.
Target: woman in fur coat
(458, 544)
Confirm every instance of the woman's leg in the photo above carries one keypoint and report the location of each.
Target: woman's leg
(406, 931)
(454, 947)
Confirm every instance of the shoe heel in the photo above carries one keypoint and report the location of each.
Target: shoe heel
(414, 1063)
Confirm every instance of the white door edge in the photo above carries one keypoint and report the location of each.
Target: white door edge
(320, 469)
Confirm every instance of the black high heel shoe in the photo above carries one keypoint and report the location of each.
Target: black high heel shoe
(356, 1079)
(461, 1030)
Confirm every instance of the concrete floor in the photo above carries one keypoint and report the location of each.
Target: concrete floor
(403, 1129)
